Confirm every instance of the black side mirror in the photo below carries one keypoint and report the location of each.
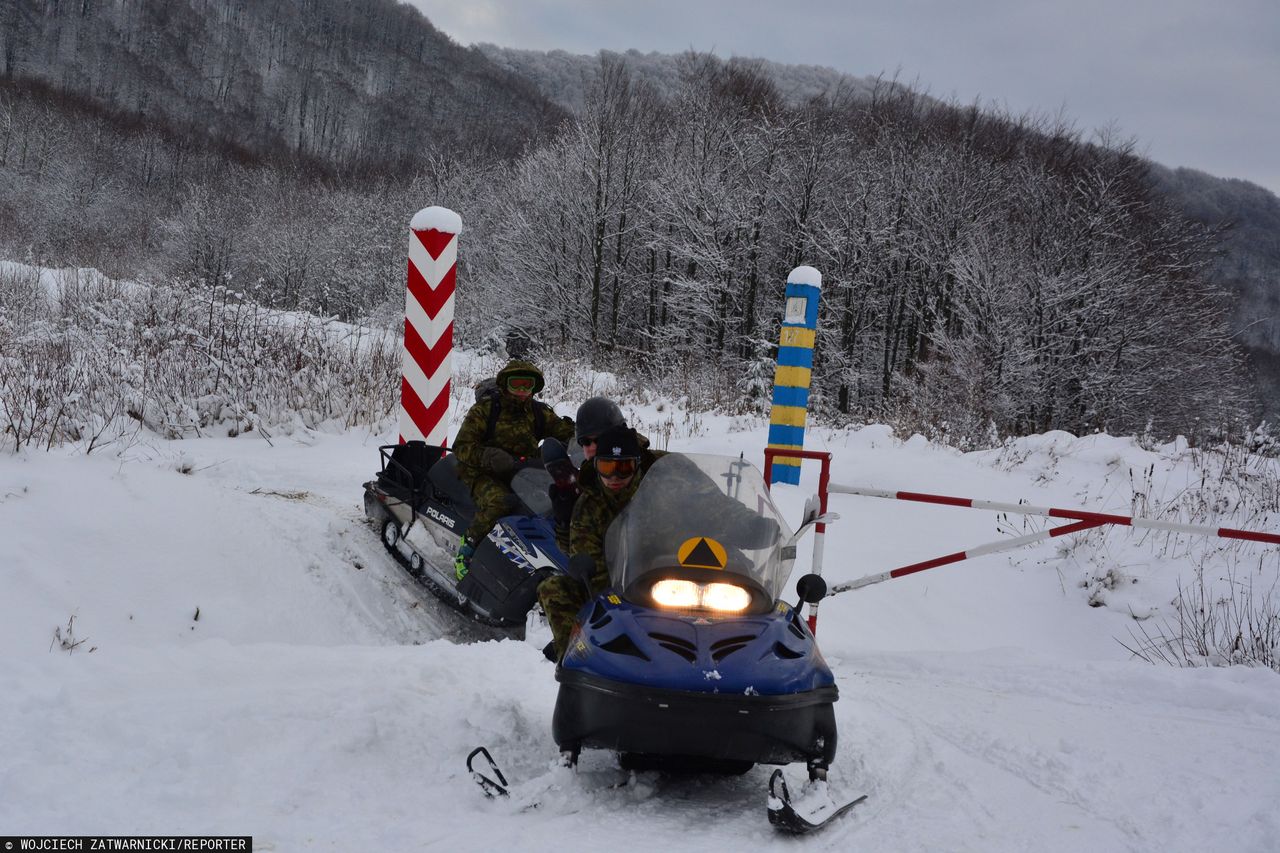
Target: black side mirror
(811, 588)
(582, 567)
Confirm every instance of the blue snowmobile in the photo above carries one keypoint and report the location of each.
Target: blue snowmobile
(691, 657)
(422, 509)
(690, 661)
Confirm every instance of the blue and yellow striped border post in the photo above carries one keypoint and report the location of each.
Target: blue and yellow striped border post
(795, 365)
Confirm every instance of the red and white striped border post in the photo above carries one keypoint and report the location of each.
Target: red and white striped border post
(1083, 520)
(427, 365)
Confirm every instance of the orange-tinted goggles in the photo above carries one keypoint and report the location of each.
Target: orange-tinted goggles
(522, 384)
(616, 469)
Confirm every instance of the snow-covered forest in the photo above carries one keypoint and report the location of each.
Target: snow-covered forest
(565, 77)
(987, 274)
(1000, 277)
(95, 363)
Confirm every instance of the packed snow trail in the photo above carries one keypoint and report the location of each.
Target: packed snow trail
(264, 550)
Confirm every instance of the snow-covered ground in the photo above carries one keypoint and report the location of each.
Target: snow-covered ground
(320, 701)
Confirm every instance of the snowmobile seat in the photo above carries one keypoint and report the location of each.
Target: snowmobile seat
(447, 488)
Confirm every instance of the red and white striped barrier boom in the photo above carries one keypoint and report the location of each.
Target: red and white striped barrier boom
(1052, 512)
(428, 326)
(977, 551)
(1084, 520)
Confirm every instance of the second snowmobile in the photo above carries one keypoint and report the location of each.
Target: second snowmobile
(422, 509)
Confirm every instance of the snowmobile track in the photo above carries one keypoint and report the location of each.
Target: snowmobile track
(446, 597)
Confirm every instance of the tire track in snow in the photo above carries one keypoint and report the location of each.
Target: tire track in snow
(352, 562)
(987, 778)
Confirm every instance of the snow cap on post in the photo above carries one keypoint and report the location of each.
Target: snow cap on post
(805, 275)
(792, 376)
(436, 219)
(427, 364)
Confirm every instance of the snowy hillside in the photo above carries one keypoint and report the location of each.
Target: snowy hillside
(564, 77)
(246, 659)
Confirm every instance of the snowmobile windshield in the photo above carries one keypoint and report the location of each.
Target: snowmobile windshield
(697, 521)
(530, 485)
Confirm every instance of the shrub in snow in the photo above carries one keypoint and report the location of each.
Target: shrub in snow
(1213, 626)
(101, 361)
(1224, 615)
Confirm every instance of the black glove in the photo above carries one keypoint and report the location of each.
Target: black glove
(581, 567)
(563, 499)
(564, 473)
(498, 461)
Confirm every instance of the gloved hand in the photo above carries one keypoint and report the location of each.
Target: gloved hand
(563, 473)
(563, 499)
(581, 567)
(497, 461)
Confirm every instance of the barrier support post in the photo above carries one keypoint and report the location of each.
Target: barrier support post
(819, 529)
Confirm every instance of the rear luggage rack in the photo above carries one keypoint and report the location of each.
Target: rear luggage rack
(405, 467)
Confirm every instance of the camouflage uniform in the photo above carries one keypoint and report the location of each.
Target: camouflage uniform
(563, 500)
(563, 596)
(515, 432)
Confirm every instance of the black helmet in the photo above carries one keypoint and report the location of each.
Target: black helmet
(597, 415)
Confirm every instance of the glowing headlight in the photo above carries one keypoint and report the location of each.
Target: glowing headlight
(726, 597)
(670, 593)
(687, 595)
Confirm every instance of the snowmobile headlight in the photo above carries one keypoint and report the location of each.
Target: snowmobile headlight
(676, 593)
(687, 595)
(725, 597)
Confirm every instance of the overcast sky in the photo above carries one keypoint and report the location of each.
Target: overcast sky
(1195, 82)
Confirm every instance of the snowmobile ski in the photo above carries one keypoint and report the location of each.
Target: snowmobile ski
(562, 773)
(491, 788)
(811, 814)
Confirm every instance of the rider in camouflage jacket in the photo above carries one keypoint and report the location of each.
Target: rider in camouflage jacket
(563, 596)
(487, 459)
